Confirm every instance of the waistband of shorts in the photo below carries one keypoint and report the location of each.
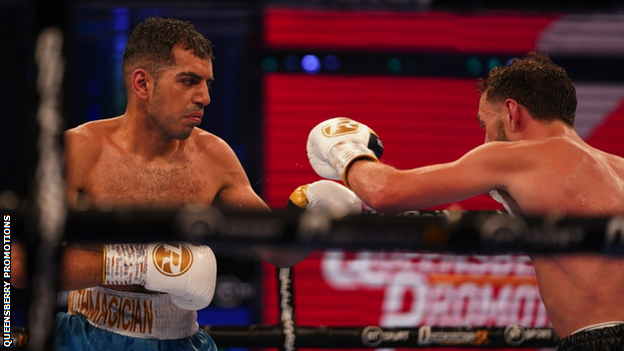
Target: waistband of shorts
(603, 336)
(598, 326)
(133, 314)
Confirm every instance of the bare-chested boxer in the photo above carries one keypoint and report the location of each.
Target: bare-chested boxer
(536, 162)
(145, 296)
(155, 156)
(151, 156)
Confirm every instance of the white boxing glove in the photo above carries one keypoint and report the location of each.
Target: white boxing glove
(326, 196)
(335, 143)
(187, 272)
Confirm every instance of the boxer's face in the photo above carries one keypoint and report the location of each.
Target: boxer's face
(491, 120)
(177, 102)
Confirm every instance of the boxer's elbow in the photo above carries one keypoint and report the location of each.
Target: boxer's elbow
(383, 203)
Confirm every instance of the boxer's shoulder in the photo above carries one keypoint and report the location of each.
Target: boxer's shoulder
(83, 144)
(90, 134)
(203, 138)
(210, 145)
(103, 126)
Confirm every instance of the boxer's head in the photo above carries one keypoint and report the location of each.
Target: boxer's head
(151, 45)
(536, 83)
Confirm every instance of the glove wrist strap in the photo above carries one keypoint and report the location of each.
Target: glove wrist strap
(125, 264)
(342, 154)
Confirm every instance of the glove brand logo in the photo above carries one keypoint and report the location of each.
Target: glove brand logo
(172, 259)
(341, 127)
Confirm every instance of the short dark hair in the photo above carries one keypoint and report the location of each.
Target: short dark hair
(151, 44)
(536, 83)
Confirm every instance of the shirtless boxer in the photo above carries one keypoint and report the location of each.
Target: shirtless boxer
(151, 156)
(155, 156)
(534, 160)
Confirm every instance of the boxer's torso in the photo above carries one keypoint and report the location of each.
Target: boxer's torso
(102, 171)
(112, 175)
(574, 179)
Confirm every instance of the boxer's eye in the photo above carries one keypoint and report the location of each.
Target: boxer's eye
(190, 82)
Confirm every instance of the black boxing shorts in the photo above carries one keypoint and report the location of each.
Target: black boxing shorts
(602, 339)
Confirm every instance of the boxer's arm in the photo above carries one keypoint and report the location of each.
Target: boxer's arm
(80, 268)
(487, 167)
(237, 194)
(82, 151)
(128, 264)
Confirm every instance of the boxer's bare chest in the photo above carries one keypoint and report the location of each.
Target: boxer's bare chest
(126, 180)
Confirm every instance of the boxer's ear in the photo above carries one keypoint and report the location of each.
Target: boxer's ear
(514, 116)
(140, 83)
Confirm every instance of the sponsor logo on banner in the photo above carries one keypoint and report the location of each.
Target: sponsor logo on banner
(373, 336)
(172, 259)
(427, 337)
(441, 290)
(516, 335)
(615, 233)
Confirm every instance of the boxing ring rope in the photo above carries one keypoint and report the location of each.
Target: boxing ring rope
(384, 337)
(478, 232)
(47, 204)
(466, 232)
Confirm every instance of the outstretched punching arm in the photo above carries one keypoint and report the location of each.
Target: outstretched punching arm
(387, 189)
(494, 165)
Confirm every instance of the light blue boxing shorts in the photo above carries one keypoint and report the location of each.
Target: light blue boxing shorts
(104, 319)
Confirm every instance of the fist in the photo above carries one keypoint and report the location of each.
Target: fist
(325, 196)
(333, 144)
(188, 273)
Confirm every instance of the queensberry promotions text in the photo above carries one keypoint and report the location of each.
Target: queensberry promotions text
(6, 274)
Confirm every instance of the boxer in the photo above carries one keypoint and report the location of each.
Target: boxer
(534, 162)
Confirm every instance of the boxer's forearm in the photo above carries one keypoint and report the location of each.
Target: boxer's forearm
(80, 269)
